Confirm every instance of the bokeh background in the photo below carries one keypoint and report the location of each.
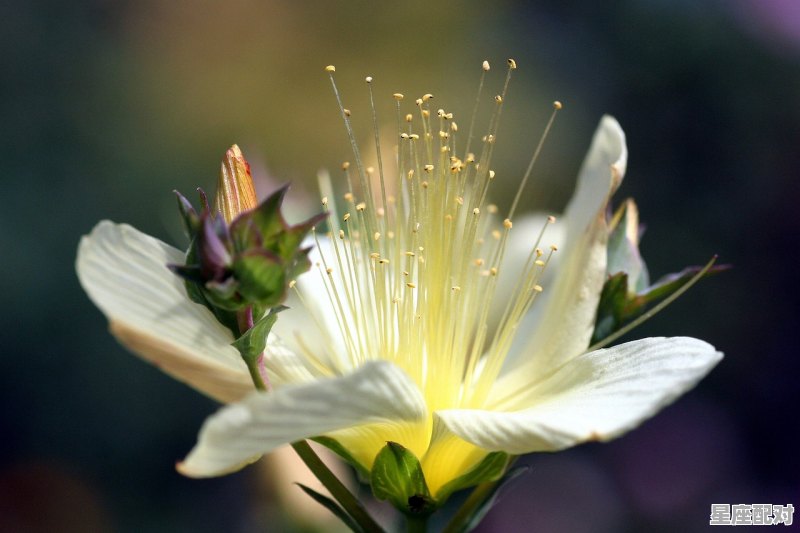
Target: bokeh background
(107, 106)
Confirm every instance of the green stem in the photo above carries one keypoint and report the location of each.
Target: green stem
(417, 523)
(337, 489)
(340, 493)
(465, 513)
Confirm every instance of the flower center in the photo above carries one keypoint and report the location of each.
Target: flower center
(411, 265)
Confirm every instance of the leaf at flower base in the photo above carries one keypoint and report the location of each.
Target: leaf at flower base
(333, 507)
(252, 344)
(397, 476)
(261, 276)
(671, 283)
(491, 499)
(490, 469)
(611, 309)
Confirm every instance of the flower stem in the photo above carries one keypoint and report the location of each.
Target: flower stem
(337, 489)
(467, 510)
(340, 493)
(417, 523)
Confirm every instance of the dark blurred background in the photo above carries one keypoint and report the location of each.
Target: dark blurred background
(109, 106)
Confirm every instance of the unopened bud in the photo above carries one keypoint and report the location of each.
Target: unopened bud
(235, 191)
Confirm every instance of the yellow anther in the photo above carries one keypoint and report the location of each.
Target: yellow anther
(427, 97)
(557, 105)
(492, 209)
(368, 79)
(348, 197)
(324, 200)
(376, 236)
(329, 270)
(476, 211)
(292, 283)
(411, 285)
(409, 117)
(496, 235)
(539, 263)
(493, 271)
(428, 168)
(551, 219)
(346, 217)
(397, 96)
(345, 165)
(485, 66)
(330, 68)
(537, 288)
(498, 99)
(341, 234)
(512, 64)
(361, 206)
(346, 112)
(507, 224)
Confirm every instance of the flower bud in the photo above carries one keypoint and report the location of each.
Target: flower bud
(235, 191)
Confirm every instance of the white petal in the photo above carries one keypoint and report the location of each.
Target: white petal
(597, 396)
(310, 325)
(238, 433)
(125, 274)
(561, 322)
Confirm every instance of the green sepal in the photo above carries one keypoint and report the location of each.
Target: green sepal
(611, 308)
(334, 446)
(253, 342)
(397, 476)
(670, 283)
(333, 507)
(491, 468)
(619, 307)
(261, 277)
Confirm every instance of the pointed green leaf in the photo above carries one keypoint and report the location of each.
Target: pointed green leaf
(253, 342)
(333, 507)
(490, 469)
(397, 476)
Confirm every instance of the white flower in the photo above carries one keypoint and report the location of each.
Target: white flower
(394, 336)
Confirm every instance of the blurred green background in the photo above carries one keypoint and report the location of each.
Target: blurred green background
(109, 106)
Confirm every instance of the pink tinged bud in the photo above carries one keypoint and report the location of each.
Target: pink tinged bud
(235, 191)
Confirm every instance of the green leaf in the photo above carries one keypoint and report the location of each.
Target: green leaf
(261, 276)
(397, 476)
(670, 283)
(490, 469)
(333, 507)
(341, 451)
(253, 342)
